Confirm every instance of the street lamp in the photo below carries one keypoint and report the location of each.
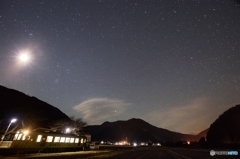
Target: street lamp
(12, 121)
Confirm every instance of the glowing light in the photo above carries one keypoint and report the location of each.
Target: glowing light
(25, 132)
(13, 120)
(67, 130)
(122, 143)
(24, 57)
(188, 142)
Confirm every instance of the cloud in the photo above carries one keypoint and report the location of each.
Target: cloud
(191, 118)
(98, 110)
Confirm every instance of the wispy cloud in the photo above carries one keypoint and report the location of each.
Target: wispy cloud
(191, 118)
(98, 110)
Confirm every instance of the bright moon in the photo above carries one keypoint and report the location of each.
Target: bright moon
(24, 57)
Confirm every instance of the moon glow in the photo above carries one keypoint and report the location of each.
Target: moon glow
(24, 57)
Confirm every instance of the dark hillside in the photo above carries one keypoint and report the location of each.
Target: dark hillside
(226, 129)
(30, 111)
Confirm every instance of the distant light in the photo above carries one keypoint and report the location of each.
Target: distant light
(143, 144)
(13, 120)
(188, 142)
(134, 144)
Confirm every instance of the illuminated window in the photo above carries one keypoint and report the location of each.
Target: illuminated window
(62, 139)
(67, 140)
(84, 141)
(49, 138)
(19, 136)
(24, 137)
(15, 136)
(81, 141)
(39, 137)
(56, 139)
(72, 140)
(77, 140)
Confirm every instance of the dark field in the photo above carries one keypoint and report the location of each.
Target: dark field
(134, 153)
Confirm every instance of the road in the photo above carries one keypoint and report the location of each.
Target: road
(135, 153)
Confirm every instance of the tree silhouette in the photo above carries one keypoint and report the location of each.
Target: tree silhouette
(202, 142)
(75, 126)
(32, 120)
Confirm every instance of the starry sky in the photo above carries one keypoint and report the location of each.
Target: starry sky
(172, 63)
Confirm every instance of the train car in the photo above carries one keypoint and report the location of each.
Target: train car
(36, 141)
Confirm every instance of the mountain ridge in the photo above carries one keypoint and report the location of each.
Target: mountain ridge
(29, 111)
(137, 129)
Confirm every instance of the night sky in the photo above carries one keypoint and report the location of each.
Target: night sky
(172, 63)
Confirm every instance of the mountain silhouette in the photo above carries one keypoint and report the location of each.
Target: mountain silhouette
(135, 130)
(29, 111)
(226, 129)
